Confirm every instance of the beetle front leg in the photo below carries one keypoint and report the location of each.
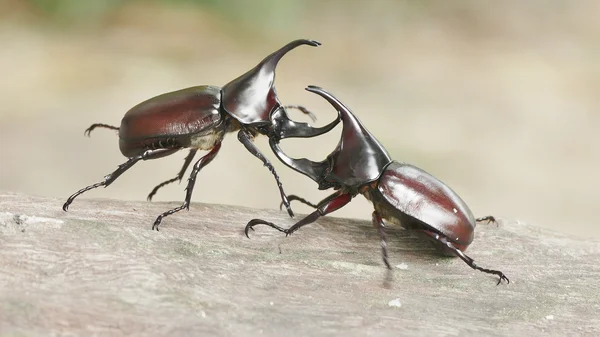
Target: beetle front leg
(245, 139)
(179, 176)
(330, 204)
(380, 226)
(150, 154)
(443, 241)
(190, 186)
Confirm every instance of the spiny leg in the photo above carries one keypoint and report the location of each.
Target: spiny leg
(293, 197)
(179, 176)
(328, 205)
(99, 125)
(469, 261)
(380, 226)
(205, 160)
(303, 109)
(245, 139)
(150, 154)
(489, 218)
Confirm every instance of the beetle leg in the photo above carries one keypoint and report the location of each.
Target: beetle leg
(99, 125)
(245, 139)
(303, 109)
(150, 154)
(179, 176)
(449, 245)
(489, 218)
(205, 160)
(293, 197)
(328, 205)
(380, 226)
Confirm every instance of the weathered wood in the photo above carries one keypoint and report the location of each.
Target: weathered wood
(100, 270)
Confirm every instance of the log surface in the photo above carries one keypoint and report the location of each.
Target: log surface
(100, 270)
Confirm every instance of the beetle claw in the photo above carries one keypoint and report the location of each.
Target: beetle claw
(156, 223)
(289, 210)
(503, 277)
(489, 218)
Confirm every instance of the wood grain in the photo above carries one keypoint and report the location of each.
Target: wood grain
(100, 270)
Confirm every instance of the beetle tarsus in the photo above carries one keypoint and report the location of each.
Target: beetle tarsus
(150, 154)
(255, 222)
(107, 180)
(293, 197)
(205, 160)
(245, 139)
(186, 164)
(489, 218)
(328, 205)
(469, 261)
(76, 194)
(155, 189)
(99, 125)
(500, 274)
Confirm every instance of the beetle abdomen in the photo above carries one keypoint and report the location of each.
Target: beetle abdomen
(130, 148)
(423, 197)
(161, 121)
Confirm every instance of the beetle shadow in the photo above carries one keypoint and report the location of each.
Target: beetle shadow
(402, 245)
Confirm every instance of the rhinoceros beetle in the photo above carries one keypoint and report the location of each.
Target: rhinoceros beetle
(199, 117)
(401, 193)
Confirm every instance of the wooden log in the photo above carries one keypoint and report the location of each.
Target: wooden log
(100, 270)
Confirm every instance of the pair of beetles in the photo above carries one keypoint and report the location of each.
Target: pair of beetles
(199, 117)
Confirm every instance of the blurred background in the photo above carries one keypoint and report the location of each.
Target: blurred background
(497, 99)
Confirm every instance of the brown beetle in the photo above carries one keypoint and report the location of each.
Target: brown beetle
(199, 117)
(401, 193)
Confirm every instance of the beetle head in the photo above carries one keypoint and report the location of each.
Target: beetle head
(251, 98)
(358, 159)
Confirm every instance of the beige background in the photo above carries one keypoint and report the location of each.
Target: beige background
(500, 103)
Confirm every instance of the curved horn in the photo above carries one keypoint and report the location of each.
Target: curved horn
(359, 157)
(313, 170)
(251, 97)
(287, 128)
(272, 60)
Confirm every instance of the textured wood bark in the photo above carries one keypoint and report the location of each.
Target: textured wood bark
(100, 270)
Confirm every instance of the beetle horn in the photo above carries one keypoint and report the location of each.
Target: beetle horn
(359, 157)
(314, 170)
(285, 127)
(251, 97)
(270, 62)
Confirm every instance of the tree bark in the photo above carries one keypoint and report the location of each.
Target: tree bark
(100, 270)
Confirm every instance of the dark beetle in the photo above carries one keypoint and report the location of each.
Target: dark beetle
(401, 193)
(199, 117)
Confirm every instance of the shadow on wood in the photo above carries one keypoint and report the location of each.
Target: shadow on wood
(99, 269)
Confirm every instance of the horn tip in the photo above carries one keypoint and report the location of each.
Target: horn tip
(313, 88)
(310, 42)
